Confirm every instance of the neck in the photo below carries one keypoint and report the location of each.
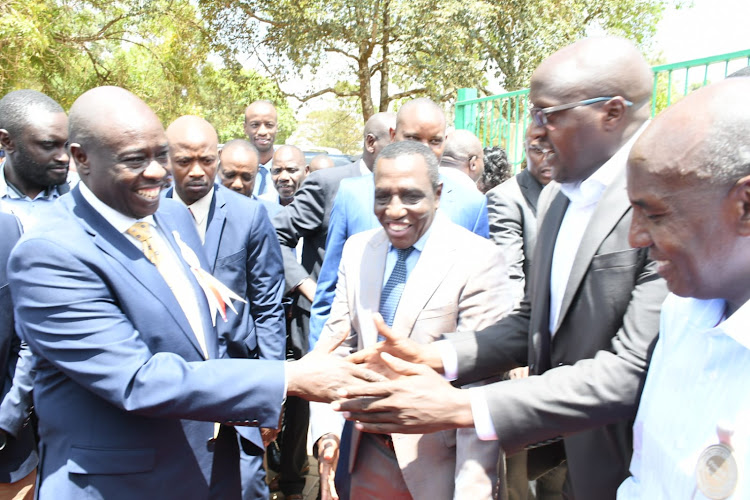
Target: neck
(266, 156)
(285, 201)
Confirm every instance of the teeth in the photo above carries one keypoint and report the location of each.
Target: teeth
(151, 193)
(398, 227)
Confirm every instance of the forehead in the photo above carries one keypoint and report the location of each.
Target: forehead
(421, 120)
(42, 123)
(408, 170)
(261, 111)
(288, 157)
(195, 141)
(143, 130)
(240, 159)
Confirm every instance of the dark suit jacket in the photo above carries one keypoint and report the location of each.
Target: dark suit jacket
(592, 372)
(511, 210)
(307, 216)
(244, 254)
(125, 398)
(19, 457)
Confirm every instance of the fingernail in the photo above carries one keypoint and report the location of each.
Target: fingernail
(336, 405)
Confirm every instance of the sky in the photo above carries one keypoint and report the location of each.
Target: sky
(709, 28)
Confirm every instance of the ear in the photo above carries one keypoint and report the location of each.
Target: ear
(614, 113)
(438, 192)
(370, 142)
(81, 158)
(5, 140)
(392, 132)
(739, 197)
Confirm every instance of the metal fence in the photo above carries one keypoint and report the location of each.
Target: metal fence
(501, 120)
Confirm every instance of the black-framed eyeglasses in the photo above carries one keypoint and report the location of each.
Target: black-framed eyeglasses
(539, 115)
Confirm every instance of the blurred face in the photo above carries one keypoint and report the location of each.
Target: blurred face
(40, 157)
(126, 167)
(238, 170)
(405, 203)
(261, 125)
(427, 128)
(194, 158)
(538, 157)
(686, 225)
(288, 171)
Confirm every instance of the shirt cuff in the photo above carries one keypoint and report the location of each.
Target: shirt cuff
(482, 417)
(449, 356)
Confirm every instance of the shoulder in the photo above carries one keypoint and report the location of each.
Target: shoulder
(506, 191)
(360, 242)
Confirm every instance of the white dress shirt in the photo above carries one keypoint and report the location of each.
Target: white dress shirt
(170, 267)
(199, 211)
(698, 378)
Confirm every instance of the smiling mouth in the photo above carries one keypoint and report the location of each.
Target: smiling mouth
(398, 227)
(149, 193)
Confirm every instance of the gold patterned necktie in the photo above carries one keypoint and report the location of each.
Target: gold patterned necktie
(141, 231)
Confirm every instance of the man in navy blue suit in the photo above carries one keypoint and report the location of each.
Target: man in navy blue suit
(118, 310)
(18, 456)
(244, 254)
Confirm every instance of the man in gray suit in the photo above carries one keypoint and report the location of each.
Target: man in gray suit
(511, 209)
(588, 324)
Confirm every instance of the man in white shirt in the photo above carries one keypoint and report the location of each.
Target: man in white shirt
(590, 318)
(689, 183)
(261, 125)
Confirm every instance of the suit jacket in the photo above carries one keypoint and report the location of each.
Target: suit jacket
(307, 216)
(353, 213)
(511, 210)
(459, 282)
(244, 254)
(19, 457)
(593, 371)
(125, 398)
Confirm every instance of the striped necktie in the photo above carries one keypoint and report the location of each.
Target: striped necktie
(394, 287)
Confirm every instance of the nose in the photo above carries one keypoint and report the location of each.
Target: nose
(535, 131)
(62, 156)
(155, 170)
(262, 129)
(395, 209)
(195, 170)
(236, 184)
(638, 235)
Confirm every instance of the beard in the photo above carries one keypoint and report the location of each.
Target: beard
(37, 173)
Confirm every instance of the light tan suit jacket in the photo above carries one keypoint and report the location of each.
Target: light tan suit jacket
(460, 282)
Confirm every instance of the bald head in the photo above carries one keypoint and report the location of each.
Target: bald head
(193, 150)
(588, 100)
(463, 151)
(238, 166)
(423, 121)
(689, 184)
(120, 148)
(377, 135)
(320, 162)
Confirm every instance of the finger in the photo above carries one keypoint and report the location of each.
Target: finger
(402, 367)
(383, 428)
(328, 343)
(385, 330)
(332, 487)
(362, 356)
(367, 375)
(373, 390)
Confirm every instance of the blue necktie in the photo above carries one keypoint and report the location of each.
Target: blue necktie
(263, 172)
(394, 287)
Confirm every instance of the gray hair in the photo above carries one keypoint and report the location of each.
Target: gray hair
(410, 148)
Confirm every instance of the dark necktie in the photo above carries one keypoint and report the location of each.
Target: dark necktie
(262, 172)
(394, 287)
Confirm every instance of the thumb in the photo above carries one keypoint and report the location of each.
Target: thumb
(328, 341)
(402, 367)
(385, 330)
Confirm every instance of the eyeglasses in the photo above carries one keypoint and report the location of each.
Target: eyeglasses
(537, 150)
(539, 115)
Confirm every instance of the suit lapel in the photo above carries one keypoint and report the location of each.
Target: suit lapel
(133, 262)
(530, 188)
(217, 217)
(610, 209)
(425, 278)
(372, 267)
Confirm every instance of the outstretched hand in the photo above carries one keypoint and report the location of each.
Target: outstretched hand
(319, 374)
(328, 458)
(398, 345)
(419, 401)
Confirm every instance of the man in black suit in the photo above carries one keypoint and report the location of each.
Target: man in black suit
(18, 457)
(589, 322)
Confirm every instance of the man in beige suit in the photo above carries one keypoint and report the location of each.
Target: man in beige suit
(425, 275)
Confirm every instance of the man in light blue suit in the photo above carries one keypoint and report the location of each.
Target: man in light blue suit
(118, 310)
(418, 120)
(244, 254)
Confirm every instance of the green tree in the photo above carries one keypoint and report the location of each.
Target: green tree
(336, 127)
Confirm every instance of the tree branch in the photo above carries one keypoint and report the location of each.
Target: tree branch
(329, 90)
(408, 93)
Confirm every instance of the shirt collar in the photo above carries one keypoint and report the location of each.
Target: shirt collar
(591, 189)
(735, 326)
(200, 208)
(121, 222)
(363, 167)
